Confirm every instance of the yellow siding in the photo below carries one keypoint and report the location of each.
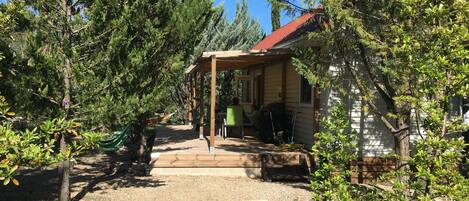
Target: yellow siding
(375, 140)
(272, 88)
(273, 83)
(304, 113)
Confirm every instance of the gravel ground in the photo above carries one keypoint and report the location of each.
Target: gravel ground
(90, 182)
(184, 188)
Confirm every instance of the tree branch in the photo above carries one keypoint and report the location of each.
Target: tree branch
(50, 99)
(365, 96)
(378, 85)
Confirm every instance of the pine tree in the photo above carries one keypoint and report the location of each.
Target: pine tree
(276, 8)
(105, 63)
(53, 40)
(220, 35)
(36, 62)
(131, 53)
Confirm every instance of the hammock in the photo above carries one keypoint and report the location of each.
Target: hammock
(115, 140)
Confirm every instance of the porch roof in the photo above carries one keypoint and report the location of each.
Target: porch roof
(234, 60)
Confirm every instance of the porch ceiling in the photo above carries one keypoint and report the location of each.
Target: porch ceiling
(233, 60)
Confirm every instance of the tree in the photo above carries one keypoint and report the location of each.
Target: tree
(130, 58)
(56, 27)
(219, 35)
(276, 8)
(409, 56)
(36, 147)
(39, 81)
(335, 146)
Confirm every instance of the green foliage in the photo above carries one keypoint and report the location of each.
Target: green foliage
(240, 34)
(335, 146)
(276, 8)
(435, 173)
(219, 35)
(132, 65)
(411, 56)
(37, 147)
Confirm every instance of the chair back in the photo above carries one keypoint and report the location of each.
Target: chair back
(234, 115)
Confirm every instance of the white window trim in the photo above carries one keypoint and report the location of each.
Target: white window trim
(301, 104)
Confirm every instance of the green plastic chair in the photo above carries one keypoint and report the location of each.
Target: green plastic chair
(234, 118)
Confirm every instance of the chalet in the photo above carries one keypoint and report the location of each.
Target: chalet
(266, 76)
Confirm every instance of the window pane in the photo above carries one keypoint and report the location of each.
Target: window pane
(305, 87)
(245, 86)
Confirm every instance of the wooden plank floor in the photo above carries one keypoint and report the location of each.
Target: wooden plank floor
(181, 139)
(179, 147)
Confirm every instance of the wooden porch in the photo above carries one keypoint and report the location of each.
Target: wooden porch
(211, 63)
(178, 150)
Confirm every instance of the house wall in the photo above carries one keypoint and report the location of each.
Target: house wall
(304, 113)
(272, 93)
(375, 139)
(273, 83)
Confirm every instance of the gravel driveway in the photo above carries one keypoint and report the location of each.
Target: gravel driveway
(195, 188)
(90, 182)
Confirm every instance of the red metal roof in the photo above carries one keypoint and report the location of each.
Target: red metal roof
(283, 32)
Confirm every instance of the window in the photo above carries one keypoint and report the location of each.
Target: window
(245, 89)
(245, 86)
(305, 91)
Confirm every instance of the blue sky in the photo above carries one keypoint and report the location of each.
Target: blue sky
(258, 9)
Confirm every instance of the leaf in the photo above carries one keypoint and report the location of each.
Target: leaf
(16, 182)
(76, 125)
(5, 161)
(10, 114)
(6, 181)
(67, 154)
(14, 168)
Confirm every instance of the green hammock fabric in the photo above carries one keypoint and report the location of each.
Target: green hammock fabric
(115, 140)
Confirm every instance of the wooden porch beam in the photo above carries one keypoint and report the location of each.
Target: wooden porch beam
(213, 98)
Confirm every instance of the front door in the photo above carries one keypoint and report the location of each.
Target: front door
(258, 91)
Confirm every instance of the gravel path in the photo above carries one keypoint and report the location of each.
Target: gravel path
(90, 182)
(185, 188)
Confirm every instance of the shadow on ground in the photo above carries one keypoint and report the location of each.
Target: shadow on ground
(90, 174)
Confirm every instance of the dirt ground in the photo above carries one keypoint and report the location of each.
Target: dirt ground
(91, 182)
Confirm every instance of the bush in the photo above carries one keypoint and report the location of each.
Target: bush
(335, 147)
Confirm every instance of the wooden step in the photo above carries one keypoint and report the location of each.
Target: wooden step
(223, 160)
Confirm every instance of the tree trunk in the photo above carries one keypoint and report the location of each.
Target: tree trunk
(402, 141)
(316, 119)
(64, 167)
(275, 15)
(141, 140)
(64, 173)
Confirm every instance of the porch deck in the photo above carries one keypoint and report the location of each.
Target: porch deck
(178, 150)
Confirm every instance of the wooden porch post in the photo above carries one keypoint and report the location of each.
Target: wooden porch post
(191, 98)
(194, 97)
(201, 107)
(213, 98)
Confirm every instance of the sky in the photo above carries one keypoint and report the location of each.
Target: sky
(258, 9)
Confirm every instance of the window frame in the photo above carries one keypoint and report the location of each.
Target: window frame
(250, 79)
(300, 86)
